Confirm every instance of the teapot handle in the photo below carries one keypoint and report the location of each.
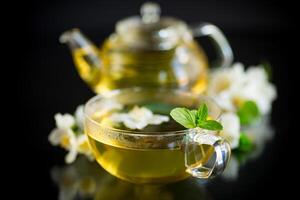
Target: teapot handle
(221, 44)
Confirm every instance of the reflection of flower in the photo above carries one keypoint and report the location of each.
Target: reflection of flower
(231, 129)
(69, 135)
(230, 87)
(77, 179)
(259, 133)
(87, 180)
(139, 118)
(231, 171)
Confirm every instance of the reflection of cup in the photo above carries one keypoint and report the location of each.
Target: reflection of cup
(84, 180)
(155, 156)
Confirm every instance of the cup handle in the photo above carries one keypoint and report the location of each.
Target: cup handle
(209, 160)
(220, 42)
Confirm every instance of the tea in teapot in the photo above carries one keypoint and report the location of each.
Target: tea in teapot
(147, 51)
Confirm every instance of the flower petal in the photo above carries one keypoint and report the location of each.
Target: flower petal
(138, 118)
(64, 121)
(231, 129)
(158, 119)
(79, 116)
(231, 86)
(71, 156)
(55, 136)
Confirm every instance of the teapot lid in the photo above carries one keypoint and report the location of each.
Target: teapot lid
(150, 31)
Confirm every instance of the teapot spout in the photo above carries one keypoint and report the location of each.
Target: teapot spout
(85, 55)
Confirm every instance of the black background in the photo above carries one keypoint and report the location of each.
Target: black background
(47, 82)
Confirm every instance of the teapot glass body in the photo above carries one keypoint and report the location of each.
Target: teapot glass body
(148, 52)
(183, 66)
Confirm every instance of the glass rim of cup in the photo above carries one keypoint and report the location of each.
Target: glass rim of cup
(147, 133)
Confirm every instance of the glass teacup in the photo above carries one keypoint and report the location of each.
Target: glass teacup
(160, 153)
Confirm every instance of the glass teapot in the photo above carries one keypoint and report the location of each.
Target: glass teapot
(147, 51)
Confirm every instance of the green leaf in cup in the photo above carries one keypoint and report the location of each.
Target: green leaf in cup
(184, 116)
(195, 118)
(210, 125)
(202, 113)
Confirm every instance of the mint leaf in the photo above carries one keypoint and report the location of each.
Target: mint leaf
(245, 144)
(184, 116)
(210, 125)
(194, 112)
(195, 118)
(248, 113)
(202, 113)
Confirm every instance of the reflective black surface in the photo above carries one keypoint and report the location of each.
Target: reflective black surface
(85, 179)
(48, 83)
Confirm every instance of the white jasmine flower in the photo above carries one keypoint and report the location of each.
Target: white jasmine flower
(230, 87)
(64, 121)
(77, 145)
(72, 147)
(57, 136)
(225, 84)
(66, 139)
(231, 129)
(139, 118)
(64, 136)
(258, 89)
(83, 146)
(64, 124)
(79, 116)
